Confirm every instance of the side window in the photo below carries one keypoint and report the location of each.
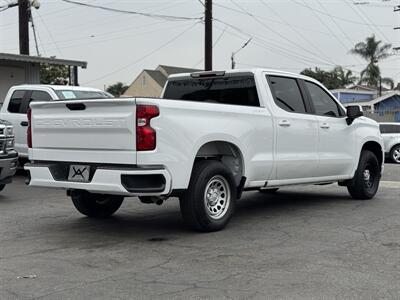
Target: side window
(392, 129)
(36, 96)
(323, 103)
(16, 101)
(287, 94)
(384, 128)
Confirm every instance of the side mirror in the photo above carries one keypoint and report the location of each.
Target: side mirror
(353, 112)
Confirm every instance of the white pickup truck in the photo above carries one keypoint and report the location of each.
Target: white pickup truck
(19, 97)
(218, 134)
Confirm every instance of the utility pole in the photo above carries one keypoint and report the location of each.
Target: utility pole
(24, 27)
(208, 36)
(396, 9)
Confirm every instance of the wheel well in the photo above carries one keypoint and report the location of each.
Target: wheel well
(394, 146)
(227, 153)
(375, 148)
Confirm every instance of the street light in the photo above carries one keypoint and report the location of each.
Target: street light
(234, 53)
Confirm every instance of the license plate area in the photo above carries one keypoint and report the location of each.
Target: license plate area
(79, 173)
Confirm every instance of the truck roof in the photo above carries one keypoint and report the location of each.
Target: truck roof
(243, 71)
(56, 87)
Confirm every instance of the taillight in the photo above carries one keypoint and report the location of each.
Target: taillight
(29, 130)
(145, 134)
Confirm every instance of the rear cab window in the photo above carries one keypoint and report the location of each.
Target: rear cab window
(80, 94)
(229, 89)
(34, 97)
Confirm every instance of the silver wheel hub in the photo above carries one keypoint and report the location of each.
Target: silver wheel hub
(217, 197)
(396, 155)
(367, 175)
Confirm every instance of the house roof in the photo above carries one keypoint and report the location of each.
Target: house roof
(174, 70)
(42, 60)
(353, 91)
(376, 100)
(157, 76)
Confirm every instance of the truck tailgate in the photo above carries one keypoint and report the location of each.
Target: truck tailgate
(84, 131)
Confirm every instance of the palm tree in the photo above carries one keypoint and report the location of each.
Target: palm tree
(372, 51)
(344, 77)
(117, 89)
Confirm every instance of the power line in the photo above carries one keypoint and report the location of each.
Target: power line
(266, 45)
(321, 20)
(124, 37)
(296, 31)
(151, 15)
(364, 16)
(34, 35)
(49, 32)
(144, 56)
(340, 18)
(277, 33)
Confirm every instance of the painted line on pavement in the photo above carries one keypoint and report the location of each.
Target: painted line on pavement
(390, 184)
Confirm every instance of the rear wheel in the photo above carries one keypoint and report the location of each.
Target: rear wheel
(209, 202)
(366, 179)
(2, 186)
(96, 205)
(395, 154)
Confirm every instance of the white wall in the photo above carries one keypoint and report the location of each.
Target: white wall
(10, 76)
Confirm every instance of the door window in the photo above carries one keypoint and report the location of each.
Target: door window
(35, 96)
(324, 104)
(15, 103)
(287, 94)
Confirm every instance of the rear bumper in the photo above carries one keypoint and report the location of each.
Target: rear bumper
(116, 180)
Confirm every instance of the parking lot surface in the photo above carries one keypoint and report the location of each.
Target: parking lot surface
(301, 243)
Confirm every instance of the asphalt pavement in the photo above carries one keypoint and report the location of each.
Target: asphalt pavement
(301, 243)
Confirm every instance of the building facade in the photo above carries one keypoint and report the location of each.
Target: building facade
(150, 83)
(18, 69)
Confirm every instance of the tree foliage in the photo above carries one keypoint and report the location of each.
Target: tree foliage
(51, 74)
(117, 89)
(373, 52)
(334, 79)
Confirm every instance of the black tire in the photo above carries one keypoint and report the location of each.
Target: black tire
(268, 191)
(395, 154)
(213, 211)
(2, 186)
(365, 183)
(96, 205)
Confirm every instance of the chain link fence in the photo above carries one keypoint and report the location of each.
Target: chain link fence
(386, 115)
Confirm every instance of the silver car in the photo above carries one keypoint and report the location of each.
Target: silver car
(391, 136)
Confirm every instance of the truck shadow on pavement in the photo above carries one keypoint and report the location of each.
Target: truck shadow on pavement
(159, 224)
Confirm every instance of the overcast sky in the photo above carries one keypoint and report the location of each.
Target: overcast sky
(287, 34)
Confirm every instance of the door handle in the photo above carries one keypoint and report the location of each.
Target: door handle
(325, 126)
(284, 123)
(24, 123)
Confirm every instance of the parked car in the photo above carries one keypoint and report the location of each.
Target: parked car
(217, 135)
(17, 101)
(8, 156)
(391, 137)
